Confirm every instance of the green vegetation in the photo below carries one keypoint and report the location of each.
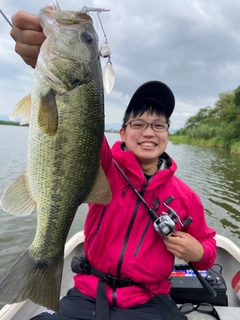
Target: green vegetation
(9, 123)
(112, 131)
(217, 126)
(13, 123)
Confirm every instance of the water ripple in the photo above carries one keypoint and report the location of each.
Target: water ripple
(215, 175)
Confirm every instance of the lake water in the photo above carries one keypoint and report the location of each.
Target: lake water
(213, 173)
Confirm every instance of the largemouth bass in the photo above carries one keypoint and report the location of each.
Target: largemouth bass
(65, 136)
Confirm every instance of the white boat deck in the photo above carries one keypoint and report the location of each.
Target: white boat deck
(230, 313)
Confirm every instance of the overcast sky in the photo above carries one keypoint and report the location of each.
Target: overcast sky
(192, 46)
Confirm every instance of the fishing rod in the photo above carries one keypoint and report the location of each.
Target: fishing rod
(5, 18)
(165, 226)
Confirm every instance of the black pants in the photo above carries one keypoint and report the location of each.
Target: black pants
(77, 306)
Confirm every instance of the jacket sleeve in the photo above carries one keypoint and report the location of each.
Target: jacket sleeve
(106, 157)
(205, 235)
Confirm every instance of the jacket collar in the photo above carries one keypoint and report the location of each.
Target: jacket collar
(128, 162)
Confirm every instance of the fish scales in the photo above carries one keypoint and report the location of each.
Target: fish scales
(74, 163)
(65, 136)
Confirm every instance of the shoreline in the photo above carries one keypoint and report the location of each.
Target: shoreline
(233, 147)
(14, 123)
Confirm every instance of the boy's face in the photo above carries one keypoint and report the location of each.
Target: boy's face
(147, 145)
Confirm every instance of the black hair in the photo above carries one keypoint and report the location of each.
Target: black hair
(140, 109)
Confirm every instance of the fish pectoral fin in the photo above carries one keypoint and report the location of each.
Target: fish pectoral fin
(22, 110)
(48, 113)
(101, 192)
(17, 198)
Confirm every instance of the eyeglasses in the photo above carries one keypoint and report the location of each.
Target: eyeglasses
(202, 307)
(140, 124)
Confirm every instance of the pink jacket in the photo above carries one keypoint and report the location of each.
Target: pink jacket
(120, 239)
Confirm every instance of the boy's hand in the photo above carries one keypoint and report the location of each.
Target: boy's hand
(184, 246)
(28, 35)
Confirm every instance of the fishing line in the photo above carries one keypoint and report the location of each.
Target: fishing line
(104, 33)
(106, 40)
(5, 18)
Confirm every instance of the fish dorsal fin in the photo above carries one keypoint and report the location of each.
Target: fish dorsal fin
(101, 192)
(22, 110)
(48, 113)
(17, 198)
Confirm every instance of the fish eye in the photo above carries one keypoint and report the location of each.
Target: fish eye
(86, 37)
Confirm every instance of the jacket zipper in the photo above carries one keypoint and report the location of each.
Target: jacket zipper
(99, 224)
(114, 298)
(126, 239)
(142, 237)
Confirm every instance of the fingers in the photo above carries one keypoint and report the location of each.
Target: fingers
(184, 246)
(26, 21)
(29, 54)
(28, 35)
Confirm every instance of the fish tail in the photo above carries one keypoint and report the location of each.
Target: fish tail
(34, 280)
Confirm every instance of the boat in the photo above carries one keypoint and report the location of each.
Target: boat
(228, 256)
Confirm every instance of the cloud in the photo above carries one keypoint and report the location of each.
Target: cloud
(193, 46)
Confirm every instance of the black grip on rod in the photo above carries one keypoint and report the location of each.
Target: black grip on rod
(206, 285)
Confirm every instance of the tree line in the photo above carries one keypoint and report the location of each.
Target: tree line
(214, 126)
(12, 123)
